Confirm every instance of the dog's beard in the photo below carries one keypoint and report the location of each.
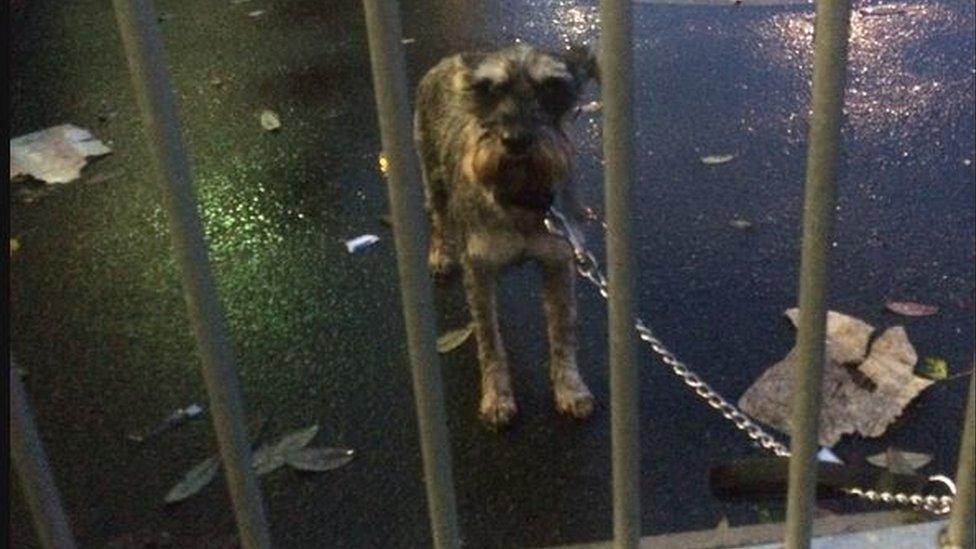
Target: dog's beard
(526, 181)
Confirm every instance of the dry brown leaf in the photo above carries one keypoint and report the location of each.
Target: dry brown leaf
(859, 396)
(899, 462)
(848, 336)
(270, 120)
(911, 308)
(454, 339)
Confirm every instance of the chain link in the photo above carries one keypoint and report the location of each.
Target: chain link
(589, 268)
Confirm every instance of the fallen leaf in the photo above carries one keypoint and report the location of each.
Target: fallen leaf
(255, 13)
(933, 367)
(270, 120)
(14, 245)
(454, 339)
(717, 158)
(910, 308)
(269, 458)
(193, 481)
(54, 155)
(847, 336)
(407, 40)
(899, 462)
(862, 392)
(880, 11)
(741, 224)
(298, 439)
(384, 165)
(264, 460)
(319, 459)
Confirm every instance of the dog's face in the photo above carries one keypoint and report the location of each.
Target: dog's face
(520, 97)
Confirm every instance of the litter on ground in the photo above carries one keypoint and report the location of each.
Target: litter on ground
(864, 390)
(911, 308)
(270, 120)
(54, 155)
(290, 449)
(899, 462)
(454, 339)
(717, 159)
(361, 242)
(177, 418)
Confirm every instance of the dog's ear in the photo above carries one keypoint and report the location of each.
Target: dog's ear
(583, 64)
(470, 62)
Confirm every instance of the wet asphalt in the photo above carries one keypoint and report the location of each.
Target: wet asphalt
(98, 320)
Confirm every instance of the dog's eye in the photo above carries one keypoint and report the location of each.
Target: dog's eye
(486, 87)
(481, 86)
(556, 95)
(554, 86)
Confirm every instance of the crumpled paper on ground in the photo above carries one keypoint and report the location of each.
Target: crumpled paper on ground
(54, 155)
(864, 390)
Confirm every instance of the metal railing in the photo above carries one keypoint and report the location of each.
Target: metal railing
(153, 91)
(409, 228)
(33, 471)
(829, 74)
(154, 94)
(616, 66)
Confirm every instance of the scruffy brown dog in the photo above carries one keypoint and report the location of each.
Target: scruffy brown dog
(489, 129)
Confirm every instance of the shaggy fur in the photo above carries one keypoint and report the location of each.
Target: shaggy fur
(489, 129)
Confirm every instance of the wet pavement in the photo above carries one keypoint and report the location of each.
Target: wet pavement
(99, 324)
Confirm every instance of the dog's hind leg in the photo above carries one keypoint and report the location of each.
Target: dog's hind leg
(572, 395)
(497, 406)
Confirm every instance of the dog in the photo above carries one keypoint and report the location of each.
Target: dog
(490, 132)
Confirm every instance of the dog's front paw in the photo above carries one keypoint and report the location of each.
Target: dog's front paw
(497, 409)
(439, 259)
(573, 397)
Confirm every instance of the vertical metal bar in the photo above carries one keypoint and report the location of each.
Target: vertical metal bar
(963, 508)
(147, 66)
(34, 473)
(616, 67)
(410, 234)
(829, 73)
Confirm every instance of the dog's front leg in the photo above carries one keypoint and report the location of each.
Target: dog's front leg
(497, 400)
(573, 397)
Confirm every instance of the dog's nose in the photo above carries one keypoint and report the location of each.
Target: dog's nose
(517, 141)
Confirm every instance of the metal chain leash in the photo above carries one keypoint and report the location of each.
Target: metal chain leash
(589, 268)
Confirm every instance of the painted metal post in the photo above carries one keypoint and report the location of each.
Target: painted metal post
(616, 69)
(410, 235)
(147, 66)
(829, 75)
(964, 507)
(34, 473)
